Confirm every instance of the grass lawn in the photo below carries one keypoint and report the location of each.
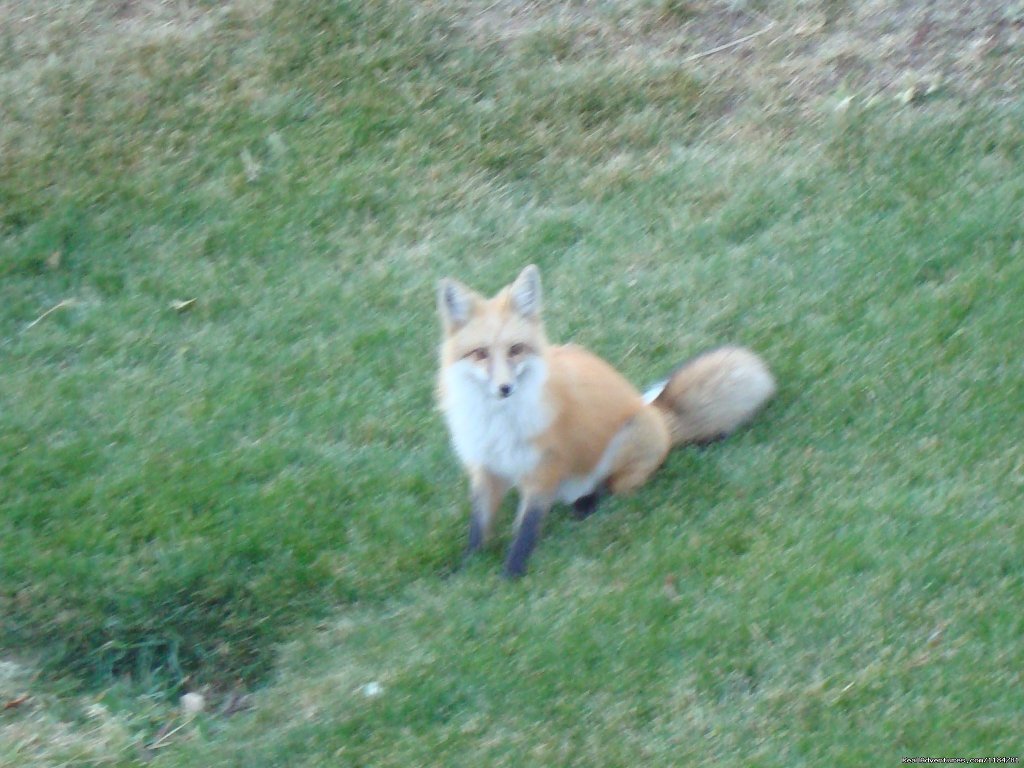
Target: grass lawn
(221, 470)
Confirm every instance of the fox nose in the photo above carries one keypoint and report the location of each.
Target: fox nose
(505, 390)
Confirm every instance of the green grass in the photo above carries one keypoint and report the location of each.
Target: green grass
(254, 492)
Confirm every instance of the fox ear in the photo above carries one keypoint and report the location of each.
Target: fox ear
(526, 292)
(454, 302)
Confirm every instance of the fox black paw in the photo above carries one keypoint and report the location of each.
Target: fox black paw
(514, 572)
(585, 506)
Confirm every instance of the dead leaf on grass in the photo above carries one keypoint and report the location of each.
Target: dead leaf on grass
(17, 702)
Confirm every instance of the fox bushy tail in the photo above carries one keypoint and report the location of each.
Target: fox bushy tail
(713, 394)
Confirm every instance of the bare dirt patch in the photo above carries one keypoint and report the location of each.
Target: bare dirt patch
(64, 28)
(789, 54)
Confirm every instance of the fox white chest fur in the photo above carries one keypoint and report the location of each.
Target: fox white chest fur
(499, 434)
(496, 433)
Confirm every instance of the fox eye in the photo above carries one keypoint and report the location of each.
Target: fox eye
(516, 349)
(479, 355)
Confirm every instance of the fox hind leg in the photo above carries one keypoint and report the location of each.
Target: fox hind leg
(645, 441)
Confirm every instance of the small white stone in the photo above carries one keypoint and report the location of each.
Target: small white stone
(372, 690)
(192, 703)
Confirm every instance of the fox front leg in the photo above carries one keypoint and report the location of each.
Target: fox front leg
(529, 521)
(486, 493)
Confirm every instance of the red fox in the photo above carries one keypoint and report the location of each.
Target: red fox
(559, 423)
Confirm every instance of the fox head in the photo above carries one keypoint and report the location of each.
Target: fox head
(498, 342)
